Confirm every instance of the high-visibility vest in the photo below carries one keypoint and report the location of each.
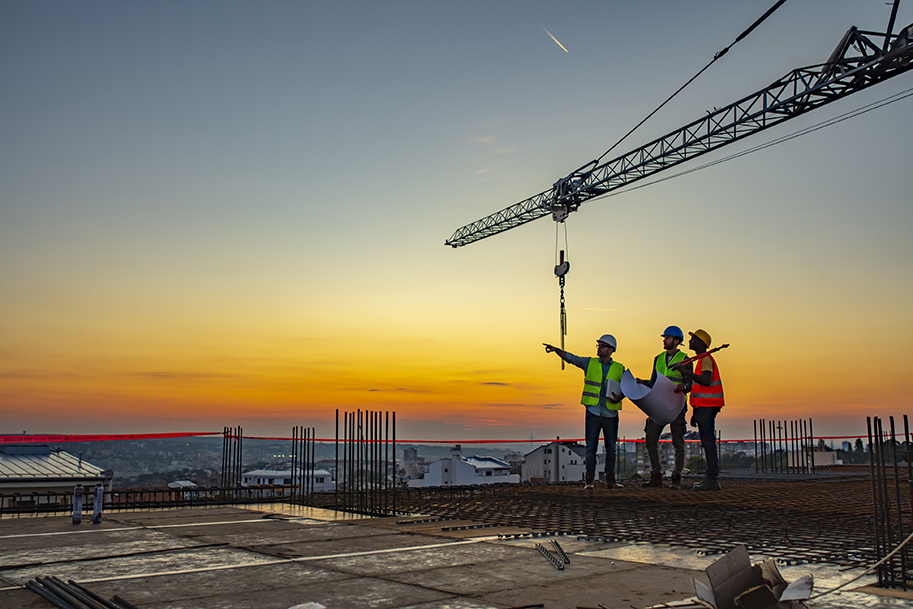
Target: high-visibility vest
(663, 368)
(593, 382)
(709, 396)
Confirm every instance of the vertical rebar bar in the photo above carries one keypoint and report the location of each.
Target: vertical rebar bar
(811, 435)
(394, 462)
(350, 483)
(886, 508)
(336, 468)
(876, 505)
(754, 425)
(901, 535)
(386, 460)
(291, 490)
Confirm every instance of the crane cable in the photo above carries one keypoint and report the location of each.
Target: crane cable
(562, 266)
(715, 57)
(785, 138)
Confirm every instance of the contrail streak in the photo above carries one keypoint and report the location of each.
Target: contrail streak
(553, 38)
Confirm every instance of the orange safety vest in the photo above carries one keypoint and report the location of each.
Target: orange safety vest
(707, 396)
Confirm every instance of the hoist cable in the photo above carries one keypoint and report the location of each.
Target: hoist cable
(715, 57)
(785, 138)
(562, 311)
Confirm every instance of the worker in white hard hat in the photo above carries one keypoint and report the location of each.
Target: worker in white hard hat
(602, 400)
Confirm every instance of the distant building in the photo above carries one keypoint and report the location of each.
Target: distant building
(465, 471)
(515, 459)
(39, 474)
(667, 451)
(823, 458)
(555, 462)
(319, 478)
(415, 470)
(410, 455)
(183, 484)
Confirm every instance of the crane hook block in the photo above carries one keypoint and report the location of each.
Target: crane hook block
(562, 267)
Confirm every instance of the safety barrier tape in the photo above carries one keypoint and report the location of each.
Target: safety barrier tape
(40, 439)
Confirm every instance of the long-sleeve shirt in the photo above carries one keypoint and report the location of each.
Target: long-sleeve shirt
(583, 363)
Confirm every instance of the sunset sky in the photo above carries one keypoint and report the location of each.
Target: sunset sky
(234, 213)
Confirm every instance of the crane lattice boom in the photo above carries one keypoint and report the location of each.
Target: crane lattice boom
(856, 64)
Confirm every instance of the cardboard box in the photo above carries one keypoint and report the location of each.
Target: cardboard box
(735, 583)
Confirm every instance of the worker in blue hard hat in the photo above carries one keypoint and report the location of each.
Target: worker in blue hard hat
(602, 401)
(663, 364)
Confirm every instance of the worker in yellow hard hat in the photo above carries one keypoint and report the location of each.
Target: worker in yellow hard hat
(706, 402)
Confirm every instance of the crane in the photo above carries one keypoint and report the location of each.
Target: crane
(860, 60)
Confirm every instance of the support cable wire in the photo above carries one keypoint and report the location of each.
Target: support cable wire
(693, 78)
(828, 123)
(867, 571)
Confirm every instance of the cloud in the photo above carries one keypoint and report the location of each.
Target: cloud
(492, 152)
(388, 389)
(184, 375)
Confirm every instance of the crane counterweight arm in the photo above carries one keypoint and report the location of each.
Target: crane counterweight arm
(800, 91)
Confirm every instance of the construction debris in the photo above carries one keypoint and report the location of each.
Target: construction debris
(737, 584)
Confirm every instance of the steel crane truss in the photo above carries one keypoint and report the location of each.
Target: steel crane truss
(798, 92)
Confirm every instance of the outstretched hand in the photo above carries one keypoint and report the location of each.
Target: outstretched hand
(549, 348)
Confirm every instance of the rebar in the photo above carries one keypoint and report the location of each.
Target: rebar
(890, 508)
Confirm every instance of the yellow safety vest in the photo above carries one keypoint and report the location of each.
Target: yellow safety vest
(593, 382)
(663, 368)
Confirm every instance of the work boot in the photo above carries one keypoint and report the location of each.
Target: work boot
(588, 485)
(611, 483)
(676, 482)
(655, 481)
(708, 484)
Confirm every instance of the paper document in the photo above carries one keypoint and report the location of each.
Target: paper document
(660, 402)
(613, 391)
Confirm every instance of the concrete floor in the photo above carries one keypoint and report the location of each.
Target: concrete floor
(281, 556)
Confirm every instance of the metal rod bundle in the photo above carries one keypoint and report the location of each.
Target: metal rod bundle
(70, 595)
(304, 450)
(365, 478)
(890, 504)
(784, 447)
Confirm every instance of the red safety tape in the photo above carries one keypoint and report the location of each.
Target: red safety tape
(20, 439)
(100, 438)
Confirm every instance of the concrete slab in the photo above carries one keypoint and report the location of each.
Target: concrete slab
(296, 555)
(424, 559)
(129, 566)
(630, 585)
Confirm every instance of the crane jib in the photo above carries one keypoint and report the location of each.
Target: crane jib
(800, 91)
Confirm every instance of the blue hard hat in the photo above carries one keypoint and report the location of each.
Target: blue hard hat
(674, 332)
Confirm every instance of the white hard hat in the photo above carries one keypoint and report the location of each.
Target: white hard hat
(607, 339)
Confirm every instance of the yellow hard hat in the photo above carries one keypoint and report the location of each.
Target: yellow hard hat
(702, 335)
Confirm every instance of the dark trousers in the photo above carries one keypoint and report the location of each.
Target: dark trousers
(653, 431)
(705, 418)
(609, 428)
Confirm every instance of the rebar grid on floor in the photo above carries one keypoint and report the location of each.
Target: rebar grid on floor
(795, 522)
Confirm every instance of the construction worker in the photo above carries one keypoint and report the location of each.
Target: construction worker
(602, 404)
(706, 402)
(663, 364)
